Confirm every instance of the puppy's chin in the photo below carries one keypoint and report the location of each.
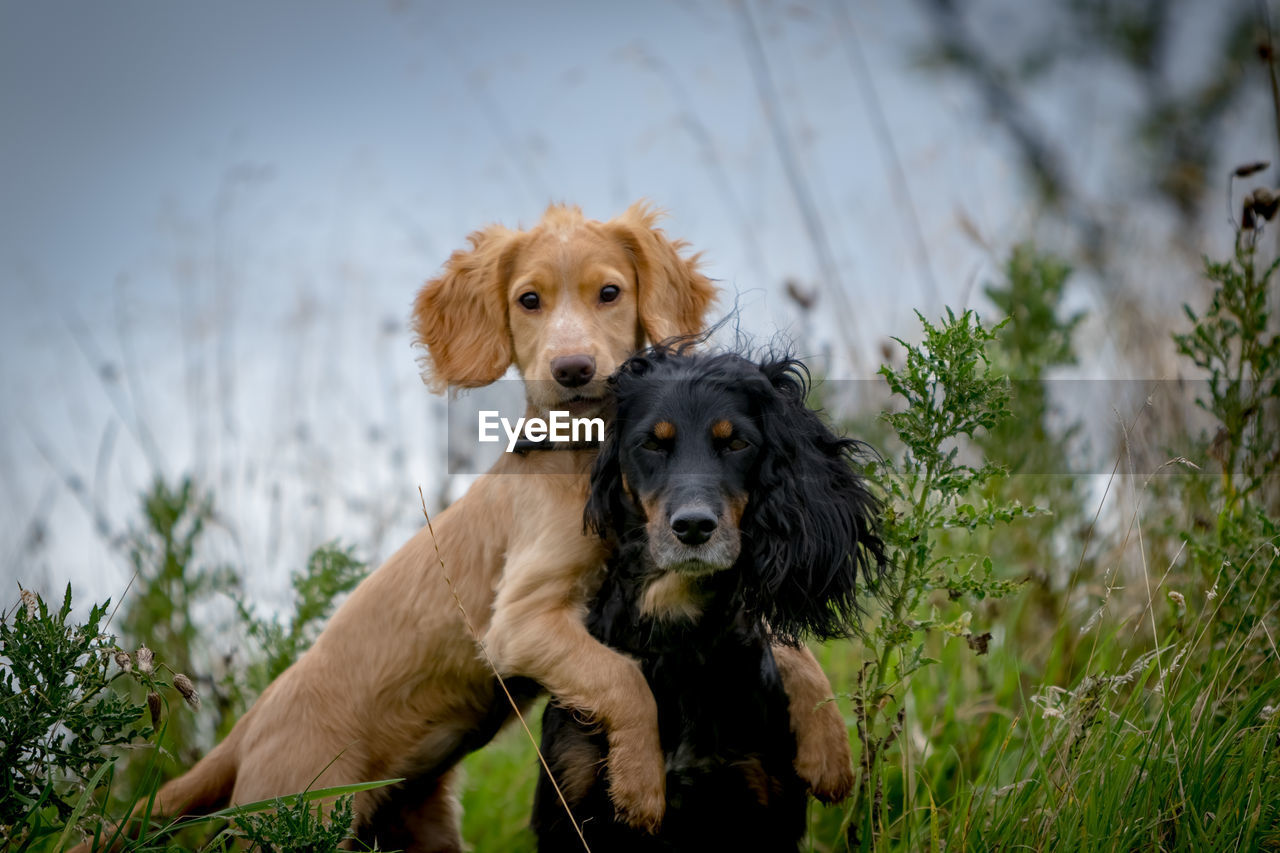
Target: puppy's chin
(584, 406)
(590, 401)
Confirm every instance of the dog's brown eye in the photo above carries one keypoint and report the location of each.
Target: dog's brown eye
(530, 300)
(737, 444)
(610, 292)
(651, 443)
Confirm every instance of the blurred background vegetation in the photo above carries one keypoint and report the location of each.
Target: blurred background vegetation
(1080, 652)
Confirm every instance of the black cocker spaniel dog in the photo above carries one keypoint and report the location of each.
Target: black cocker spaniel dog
(738, 519)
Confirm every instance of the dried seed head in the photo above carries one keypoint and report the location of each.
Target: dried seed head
(1093, 620)
(1261, 204)
(980, 643)
(806, 299)
(1177, 599)
(1265, 203)
(153, 705)
(146, 660)
(1253, 168)
(123, 660)
(188, 691)
(32, 603)
(1267, 712)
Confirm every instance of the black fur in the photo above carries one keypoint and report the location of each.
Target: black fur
(806, 535)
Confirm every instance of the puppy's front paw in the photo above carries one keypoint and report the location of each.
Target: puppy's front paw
(823, 758)
(638, 786)
(830, 778)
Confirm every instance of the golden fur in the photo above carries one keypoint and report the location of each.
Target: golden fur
(394, 686)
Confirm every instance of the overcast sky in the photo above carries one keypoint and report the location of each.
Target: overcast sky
(213, 219)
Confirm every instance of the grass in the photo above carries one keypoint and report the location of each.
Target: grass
(996, 759)
(1135, 745)
(497, 796)
(1069, 734)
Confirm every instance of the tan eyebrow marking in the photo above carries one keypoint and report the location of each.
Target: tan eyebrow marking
(721, 429)
(664, 430)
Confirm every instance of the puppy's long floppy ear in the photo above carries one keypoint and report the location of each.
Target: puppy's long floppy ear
(674, 296)
(461, 317)
(814, 529)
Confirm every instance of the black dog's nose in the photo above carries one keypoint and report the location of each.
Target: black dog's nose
(693, 526)
(573, 370)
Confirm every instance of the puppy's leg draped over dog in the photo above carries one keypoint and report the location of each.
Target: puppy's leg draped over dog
(538, 630)
(823, 759)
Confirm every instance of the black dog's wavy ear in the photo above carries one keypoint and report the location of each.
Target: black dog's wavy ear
(604, 501)
(605, 508)
(815, 528)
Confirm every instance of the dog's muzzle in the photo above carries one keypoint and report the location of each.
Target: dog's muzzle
(695, 540)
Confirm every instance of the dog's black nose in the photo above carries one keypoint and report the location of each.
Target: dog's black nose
(573, 370)
(693, 526)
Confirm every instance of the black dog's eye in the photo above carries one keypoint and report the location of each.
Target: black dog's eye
(737, 444)
(658, 442)
(610, 292)
(530, 301)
